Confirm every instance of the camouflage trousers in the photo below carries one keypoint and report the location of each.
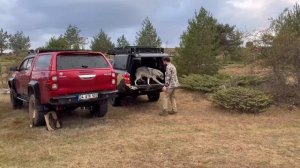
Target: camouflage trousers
(169, 96)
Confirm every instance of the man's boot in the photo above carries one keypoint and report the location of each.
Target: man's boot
(172, 112)
(163, 113)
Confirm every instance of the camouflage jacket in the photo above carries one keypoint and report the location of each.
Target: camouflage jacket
(171, 79)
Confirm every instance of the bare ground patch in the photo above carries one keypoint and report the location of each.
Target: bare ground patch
(200, 135)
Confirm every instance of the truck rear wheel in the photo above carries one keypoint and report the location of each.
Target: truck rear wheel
(36, 115)
(116, 101)
(15, 102)
(99, 109)
(153, 96)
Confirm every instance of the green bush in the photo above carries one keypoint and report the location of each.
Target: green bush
(251, 80)
(223, 76)
(242, 99)
(204, 83)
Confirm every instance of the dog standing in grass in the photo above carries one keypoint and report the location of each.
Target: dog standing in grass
(52, 122)
(171, 83)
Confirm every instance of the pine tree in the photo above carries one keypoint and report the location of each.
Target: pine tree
(3, 41)
(19, 42)
(148, 36)
(57, 43)
(72, 36)
(230, 41)
(101, 42)
(122, 41)
(199, 45)
(282, 50)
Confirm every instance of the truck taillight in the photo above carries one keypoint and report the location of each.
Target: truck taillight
(54, 78)
(126, 77)
(54, 86)
(53, 81)
(114, 78)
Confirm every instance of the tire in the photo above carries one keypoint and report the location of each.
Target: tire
(99, 109)
(36, 115)
(15, 102)
(115, 101)
(153, 96)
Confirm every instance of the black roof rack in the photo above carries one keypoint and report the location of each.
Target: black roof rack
(135, 50)
(31, 51)
(56, 50)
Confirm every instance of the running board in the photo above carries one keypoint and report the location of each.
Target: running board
(24, 100)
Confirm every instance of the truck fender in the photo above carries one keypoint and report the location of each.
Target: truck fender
(11, 83)
(34, 86)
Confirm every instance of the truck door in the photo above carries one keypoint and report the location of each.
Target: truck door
(19, 78)
(27, 75)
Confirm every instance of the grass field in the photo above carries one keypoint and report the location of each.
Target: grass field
(200, 135)
(6, 62)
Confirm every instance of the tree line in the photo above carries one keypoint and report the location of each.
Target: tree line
(203, 40)
(72, 39)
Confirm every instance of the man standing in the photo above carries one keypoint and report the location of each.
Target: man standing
(171, 83)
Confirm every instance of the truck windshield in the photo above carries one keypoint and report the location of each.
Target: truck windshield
(81, 62)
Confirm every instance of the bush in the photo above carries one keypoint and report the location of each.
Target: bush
(204, 83)
(242, 99)
(248, 80)
(281, 92)
(223, 76)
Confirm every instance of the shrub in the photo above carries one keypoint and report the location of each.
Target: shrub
(281, 92)
(242, 99)
(204, 83)
(223, 76)
(251, 80)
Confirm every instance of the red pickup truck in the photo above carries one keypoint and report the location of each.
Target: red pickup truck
(62, 80)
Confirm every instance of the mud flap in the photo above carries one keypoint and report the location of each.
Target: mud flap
(52, 122)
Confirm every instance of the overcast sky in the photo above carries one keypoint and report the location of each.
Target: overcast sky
(42, 19)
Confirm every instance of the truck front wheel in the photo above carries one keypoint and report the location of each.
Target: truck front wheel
(36, 114)
(15, 102)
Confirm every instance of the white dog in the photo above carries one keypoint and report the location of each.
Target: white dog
(149, 73)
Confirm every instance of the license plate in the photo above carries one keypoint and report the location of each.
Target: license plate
(88, 96)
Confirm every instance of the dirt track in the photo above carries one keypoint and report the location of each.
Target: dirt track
(201, 135)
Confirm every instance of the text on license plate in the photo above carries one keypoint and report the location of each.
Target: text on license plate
(88, 96)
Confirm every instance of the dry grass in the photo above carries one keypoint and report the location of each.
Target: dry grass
(6, 62)
(241, 69)
(201, 135)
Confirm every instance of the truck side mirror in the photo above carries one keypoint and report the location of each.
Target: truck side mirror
(111, 61)
(14, 68)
